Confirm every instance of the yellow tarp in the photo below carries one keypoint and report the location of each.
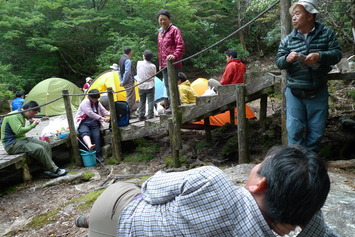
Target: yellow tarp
(111, 79)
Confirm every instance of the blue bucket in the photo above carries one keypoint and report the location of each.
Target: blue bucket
(89, 157)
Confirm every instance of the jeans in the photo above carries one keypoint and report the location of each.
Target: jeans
(306, 118)
(91, 129)
(144, 95)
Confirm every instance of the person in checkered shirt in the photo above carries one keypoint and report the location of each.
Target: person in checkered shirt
(284, 191)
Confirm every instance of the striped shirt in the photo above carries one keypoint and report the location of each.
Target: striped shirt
(199, 202)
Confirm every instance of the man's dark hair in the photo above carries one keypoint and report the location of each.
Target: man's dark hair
(232, 52)
(127, 50)
(31, 105)
(148, 55)
(181, 76)
(19, 93)
(297, 184)
(164, 12)
(94, 93)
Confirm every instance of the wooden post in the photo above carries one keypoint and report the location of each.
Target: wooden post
(232, 116)
(116, 134)
(263, 111)
(26, 175)
(285, 30)
(243, 141)
(75, 157)
(207, 127)
(176, 117)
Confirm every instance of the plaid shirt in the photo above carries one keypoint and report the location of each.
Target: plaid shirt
(199, 202)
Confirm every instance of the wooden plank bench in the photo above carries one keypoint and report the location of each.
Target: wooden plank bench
(21, 160)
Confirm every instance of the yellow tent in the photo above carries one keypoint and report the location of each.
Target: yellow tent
(111, 79)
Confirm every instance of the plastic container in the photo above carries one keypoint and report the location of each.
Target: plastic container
(89, 158)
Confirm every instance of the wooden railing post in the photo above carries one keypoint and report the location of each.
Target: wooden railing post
(243, 141)
(286, 27)
(207, 126)
(116, 135)
(73, 136)
(232, 116)
(175, 128)
(263, 111)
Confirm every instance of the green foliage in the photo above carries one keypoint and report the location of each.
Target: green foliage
(76, 39)
(201, 145)
(112, 161)
(43, 219)
(9, 190)
(139, 157)
(230, 147)
(351, 94)
(143, 153)
(88, 175)
(86, 201)
(148, 149)
(169, 161)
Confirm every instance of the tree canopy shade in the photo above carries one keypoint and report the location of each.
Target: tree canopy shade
(74, 39)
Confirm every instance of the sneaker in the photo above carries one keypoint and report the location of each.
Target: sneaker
(61, 172)
(51, 174)
(82, 221)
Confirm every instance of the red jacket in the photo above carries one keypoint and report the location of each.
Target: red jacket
(170, 42)
(234, 73)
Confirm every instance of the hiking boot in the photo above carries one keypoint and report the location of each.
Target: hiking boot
(82, 221)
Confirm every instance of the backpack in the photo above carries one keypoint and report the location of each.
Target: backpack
(122, 113)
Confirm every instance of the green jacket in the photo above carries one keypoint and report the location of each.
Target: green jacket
(322, 40)
(13, 128)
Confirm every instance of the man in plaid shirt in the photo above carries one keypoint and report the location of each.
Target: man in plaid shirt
(286, 190)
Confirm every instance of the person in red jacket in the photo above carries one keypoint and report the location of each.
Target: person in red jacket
(171, 46)
(234, 72)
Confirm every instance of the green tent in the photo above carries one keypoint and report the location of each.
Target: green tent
(51, 89)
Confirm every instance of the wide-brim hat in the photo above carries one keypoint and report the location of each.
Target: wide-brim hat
(88, 79)
(114, 66)
(310, 6)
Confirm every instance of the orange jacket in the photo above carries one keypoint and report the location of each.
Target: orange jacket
(234, 73)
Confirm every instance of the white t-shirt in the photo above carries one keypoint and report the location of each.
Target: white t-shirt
(145, 70)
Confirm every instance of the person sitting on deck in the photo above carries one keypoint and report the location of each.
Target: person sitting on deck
(284, 191)
(14, 140)
(234, 72)
(187, 94)
(90, 115)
